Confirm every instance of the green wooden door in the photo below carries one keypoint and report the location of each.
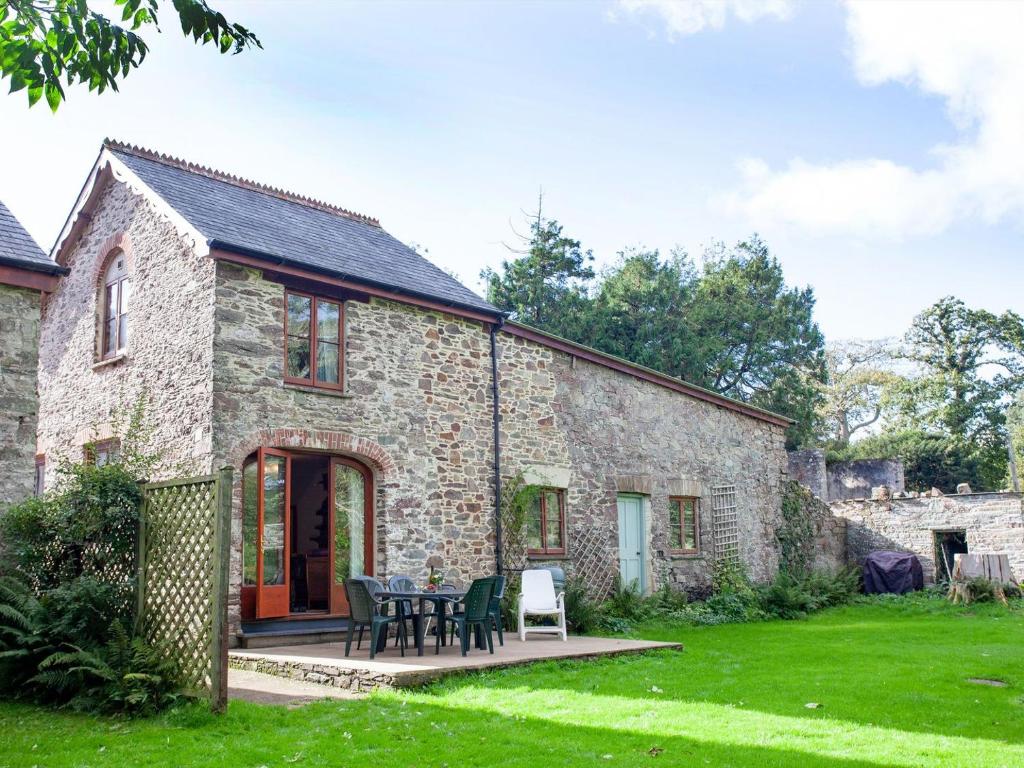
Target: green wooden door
(631, 541)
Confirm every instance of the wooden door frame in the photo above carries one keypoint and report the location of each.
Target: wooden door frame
(268, 606)
(338, 603)
(642, 501)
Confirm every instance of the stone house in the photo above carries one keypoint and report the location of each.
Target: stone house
(26, 275)
(369, 403)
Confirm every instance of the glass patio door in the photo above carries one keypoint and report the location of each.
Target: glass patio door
(351, 527)
(272, 534)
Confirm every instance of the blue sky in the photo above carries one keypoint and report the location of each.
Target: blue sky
(874, 148)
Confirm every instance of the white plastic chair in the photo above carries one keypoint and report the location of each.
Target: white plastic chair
(537, 598)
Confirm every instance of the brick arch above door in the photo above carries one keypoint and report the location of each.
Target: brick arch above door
(367, 451)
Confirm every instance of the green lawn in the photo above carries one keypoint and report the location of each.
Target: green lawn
(889, 679)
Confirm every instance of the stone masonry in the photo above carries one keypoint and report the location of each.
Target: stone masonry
(19, 346)
(993, 522)
(168, 362)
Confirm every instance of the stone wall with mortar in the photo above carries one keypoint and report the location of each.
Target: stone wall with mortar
(19, 352)
(628, 435)
(808, 468)
(855, 479)
(169, 356)
(994, 523)
(416, 409)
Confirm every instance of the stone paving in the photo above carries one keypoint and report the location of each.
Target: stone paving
(325, 664)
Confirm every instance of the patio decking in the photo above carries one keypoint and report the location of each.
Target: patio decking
(326, 664)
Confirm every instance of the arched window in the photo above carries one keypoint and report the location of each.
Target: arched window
(117, 291)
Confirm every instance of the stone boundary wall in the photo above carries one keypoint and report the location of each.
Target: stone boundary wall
(855, 479)
(993, 522)
(830, 542)
(843, 479)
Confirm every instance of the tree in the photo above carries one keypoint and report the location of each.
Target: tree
(45, 42)
(546, 285)
(857, 391)
(758, 340)
(972, 362)
(639, 312)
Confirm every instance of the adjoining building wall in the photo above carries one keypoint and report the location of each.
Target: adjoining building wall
(19, 349)
(167, 363)
(993, 523)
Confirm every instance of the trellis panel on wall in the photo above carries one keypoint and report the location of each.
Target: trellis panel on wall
(183, 575)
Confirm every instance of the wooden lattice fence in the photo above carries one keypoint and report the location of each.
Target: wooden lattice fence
(184, 550)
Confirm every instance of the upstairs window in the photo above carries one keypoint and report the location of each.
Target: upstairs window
(313, 340)
(683, 529)
(117, 291)
(545, 524)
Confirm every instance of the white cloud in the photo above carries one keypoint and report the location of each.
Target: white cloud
(688, 17)
(970, 55)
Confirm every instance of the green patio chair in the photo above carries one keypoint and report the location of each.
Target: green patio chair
(494, 608)
(365, 612)
(475, 613)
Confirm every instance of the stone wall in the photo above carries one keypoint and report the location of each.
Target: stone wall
(416, 409)
(19, 347)
(169, 354)
(625, 434)
(808, 468)
(855, 479)
(994, 523)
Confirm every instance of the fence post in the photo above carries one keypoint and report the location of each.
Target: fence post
(219, 596)
(140, 565)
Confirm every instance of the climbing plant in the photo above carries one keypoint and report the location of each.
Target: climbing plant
(796, 534)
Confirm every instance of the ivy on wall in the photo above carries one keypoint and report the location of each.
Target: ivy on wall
(796, 534)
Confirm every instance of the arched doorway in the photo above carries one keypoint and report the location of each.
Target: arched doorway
(307, 525)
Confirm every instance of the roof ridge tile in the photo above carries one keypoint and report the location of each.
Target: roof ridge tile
(238, 181)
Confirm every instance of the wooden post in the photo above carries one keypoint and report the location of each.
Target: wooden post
(140, 566)
(219, 596)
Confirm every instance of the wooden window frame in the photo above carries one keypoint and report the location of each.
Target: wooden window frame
(676, 543)
(120, 345)
(312, 380)
(542, 498)
(93, 449)
(40, 475)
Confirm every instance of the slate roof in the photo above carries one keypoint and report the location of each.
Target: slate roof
(256, 220)
(18, 249)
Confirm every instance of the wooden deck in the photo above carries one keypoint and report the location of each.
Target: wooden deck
(326, 664)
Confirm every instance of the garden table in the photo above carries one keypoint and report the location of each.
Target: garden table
(440, 601)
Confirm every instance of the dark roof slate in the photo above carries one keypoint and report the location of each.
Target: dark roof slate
(234, 214)
(18, 249)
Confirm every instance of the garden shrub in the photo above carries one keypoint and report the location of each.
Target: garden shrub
(582, 612)
(68, 598)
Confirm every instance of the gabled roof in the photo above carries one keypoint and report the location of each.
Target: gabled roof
(19, 250)
(270, 224)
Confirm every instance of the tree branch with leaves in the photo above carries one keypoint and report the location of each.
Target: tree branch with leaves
(46, 45)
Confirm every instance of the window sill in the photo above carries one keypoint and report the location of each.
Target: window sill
(685, 555)
(110, 361)
(535, 556)
(318, 390)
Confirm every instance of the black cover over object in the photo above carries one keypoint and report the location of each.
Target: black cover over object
(895, 572)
